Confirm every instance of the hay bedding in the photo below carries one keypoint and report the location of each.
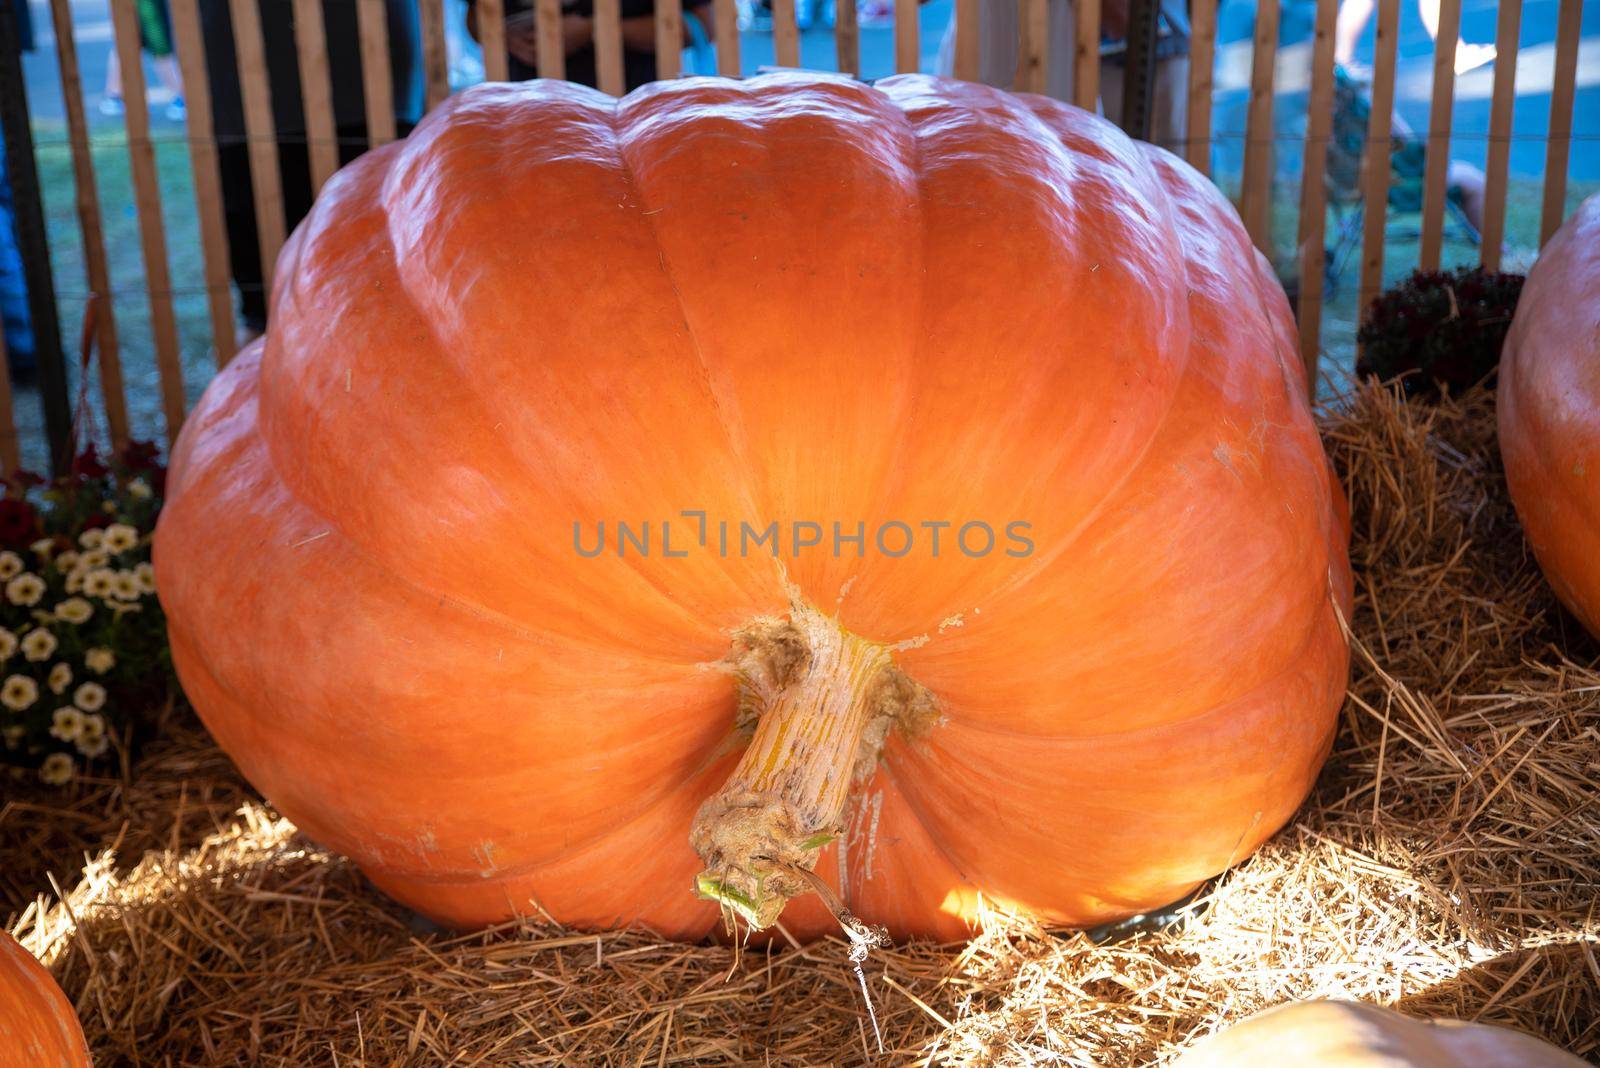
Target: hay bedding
(1448, 863)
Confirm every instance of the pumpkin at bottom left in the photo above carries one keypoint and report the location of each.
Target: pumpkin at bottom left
(38, 1028)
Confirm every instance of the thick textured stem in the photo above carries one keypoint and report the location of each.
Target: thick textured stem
(824, 700)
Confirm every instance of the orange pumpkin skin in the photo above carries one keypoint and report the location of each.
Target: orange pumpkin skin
(790, 298)
(1352, 1034)
(1549, 412)
(38, 1028)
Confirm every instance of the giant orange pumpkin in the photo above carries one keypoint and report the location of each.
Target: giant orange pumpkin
(401, 599)
(1549, 412)
(38, 1028)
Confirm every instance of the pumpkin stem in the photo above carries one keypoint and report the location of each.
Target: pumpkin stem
(823, 700)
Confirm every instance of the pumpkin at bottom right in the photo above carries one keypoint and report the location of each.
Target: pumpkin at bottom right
(1350, 1034)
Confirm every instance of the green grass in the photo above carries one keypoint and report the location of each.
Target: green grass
(131, 307)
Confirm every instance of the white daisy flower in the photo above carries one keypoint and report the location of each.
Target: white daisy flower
(74, 610)
(140, 489)
(60, 678)
(18, 692)
(10, 565)
(38, 644)
(91, 538)
(56, 770)
(8, 644)
(122, 608)
(94, 725)
(101, 582)
(91, 696)
(146, 574)
(25, 589)
(44, 547)
(75, 582)
(93, 558)
(66, 723)
(93, 747)
(99, 659)
(119, 538)
(126, 587)
(67, 561)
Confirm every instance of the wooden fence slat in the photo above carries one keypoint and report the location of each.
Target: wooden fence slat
(966, 59)
(551, 56)
(316, 91)
(1085, 54)
(1202, 76)
(261, 132)
(377, 84)
(1033, 45)
(786, 33)
(1435, 173)
(1314, 191)
(1569, 24)
(147, 203)
(435, 56)
(669, 38)
(94, 245)
(1255, 196)
(492, 39)
(846, 38)
(907, 37)
(726, 13)
(10, 447)
(207, 178)
(608, 47)
(1500, 105)
(1375, 159)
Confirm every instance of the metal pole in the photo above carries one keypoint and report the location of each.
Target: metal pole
(1139, 68)
(32, 241)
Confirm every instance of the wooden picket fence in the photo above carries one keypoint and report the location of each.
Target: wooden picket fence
(1034, 65)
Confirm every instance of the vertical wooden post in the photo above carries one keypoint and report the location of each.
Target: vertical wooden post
(907, 37)
(492, 38)
(1085, 54)
(1033, 44)
(316, 91)
(1434, 184)
(966, 60)
(207, 178)
(846, 37)
(726, 13)
(147, 201)
(10, 447)
(1375, 161)
(94, 245)
(608, 47)
(1255, 199)
(435, 56)
(1569, 24)
(377, 84)
(786, 33)
(669, 38)
(1314, 191)
(261, 131)
(551, 56)
(1500, 105)
(1202, 60)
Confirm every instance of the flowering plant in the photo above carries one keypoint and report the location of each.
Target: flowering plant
(83, 641)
